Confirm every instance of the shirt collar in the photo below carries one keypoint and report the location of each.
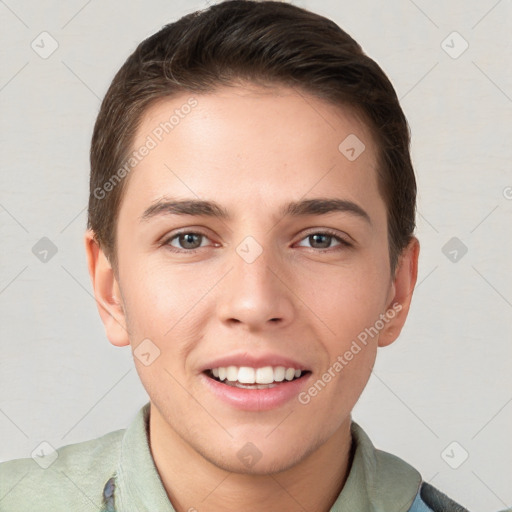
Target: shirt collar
(377, 481)
(138, 484)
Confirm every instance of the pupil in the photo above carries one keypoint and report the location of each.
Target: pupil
(321, 236)
(189, 238)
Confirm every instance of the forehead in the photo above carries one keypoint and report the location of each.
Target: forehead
(261, 111)
(250, 146)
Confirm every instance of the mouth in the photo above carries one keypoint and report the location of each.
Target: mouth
(246, 377)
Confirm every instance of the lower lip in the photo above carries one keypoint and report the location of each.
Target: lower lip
(256, 399)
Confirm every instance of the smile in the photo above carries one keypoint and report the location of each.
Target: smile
(254, 378)
(255, 389)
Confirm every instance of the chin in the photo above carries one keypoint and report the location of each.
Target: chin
(263, 464)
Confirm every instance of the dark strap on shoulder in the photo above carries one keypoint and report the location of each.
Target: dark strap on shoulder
(438, 501)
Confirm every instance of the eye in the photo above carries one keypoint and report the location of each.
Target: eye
(189, 241)
(321, 240)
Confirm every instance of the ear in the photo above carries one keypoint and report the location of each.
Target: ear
(400, 294)
(106, 292)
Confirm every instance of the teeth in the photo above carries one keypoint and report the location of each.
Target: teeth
(231, 373)
(279, 372)
(250, 386)
(289, 374)
(248, 375)
(264, 375)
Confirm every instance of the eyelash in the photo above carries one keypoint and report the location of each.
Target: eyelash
(343, 243)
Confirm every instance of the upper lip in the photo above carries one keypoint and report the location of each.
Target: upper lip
(254, 361)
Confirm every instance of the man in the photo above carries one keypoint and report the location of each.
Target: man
(250, 236)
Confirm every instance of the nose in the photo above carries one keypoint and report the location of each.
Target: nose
(257, 292)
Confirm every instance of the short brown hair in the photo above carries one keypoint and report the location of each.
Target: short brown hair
(263, 42)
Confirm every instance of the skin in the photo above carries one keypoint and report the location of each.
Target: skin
(252, 150)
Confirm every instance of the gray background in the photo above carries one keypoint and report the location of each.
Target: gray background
(447, 379)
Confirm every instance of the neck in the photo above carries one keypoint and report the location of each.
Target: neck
(193, 483)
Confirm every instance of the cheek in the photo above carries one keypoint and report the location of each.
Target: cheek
(167, 305)
(156, 295)
(353, 309)
(160, 308)
(346, 300)
(333, 393)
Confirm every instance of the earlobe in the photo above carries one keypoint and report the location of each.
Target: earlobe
(106, 292)
(401, 292)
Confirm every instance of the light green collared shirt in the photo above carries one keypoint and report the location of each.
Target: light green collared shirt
(80, 476)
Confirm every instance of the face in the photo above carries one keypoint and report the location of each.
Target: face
(293, 279)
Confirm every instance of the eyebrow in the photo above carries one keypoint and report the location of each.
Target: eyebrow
(317, 206)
